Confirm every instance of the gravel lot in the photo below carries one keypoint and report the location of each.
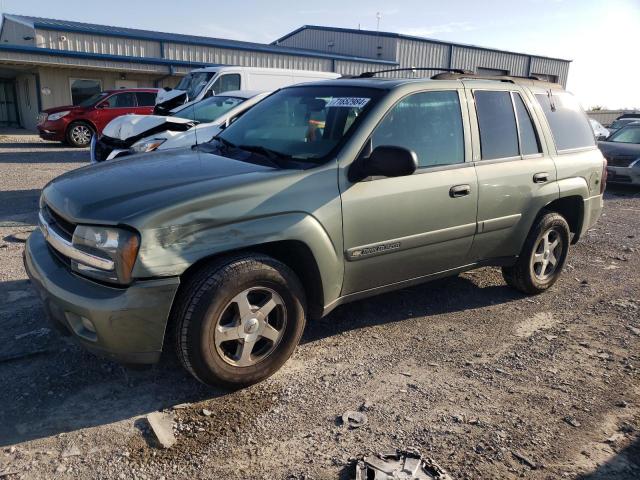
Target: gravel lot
(486, 381)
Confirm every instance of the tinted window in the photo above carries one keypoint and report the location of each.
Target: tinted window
(210, 109)
(226, 83)
(528, 138)
(146, 99)
(568, 122)
(497, 122)
(429, 123)
(122, 100)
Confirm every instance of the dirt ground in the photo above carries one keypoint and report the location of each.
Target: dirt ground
(486, 381)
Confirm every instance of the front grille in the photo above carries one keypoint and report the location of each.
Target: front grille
(61, 224)
(621, 161)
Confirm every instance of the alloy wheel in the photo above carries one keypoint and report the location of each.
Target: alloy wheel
(546, 256)
(81, 134)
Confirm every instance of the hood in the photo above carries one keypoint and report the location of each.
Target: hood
(127, 127)
(167, 100)
(64, 108)
(118, 191)
(619, 150)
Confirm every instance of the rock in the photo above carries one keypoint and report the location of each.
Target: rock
(572, 421)
(366, 405)
(207, 413)
(524, 459)
(634, 330)
(622, 404)
(354, 419)
(162, 427)
(181, 406)
(71, 451)
(61, 468)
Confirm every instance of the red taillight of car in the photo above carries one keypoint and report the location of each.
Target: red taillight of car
(603, 179)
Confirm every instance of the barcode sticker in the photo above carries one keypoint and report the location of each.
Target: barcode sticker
(349, 102)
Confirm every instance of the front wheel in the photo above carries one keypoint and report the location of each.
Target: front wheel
(239, 320)
(79, 134)
(543, 256)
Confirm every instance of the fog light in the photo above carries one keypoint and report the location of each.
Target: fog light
(88, 325)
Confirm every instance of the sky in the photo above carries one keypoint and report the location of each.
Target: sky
(600, 36)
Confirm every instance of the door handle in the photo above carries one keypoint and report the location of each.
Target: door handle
(459, 191)
(541, 177)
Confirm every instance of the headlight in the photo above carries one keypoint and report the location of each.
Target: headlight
(144, 146)
(115, 245)
(57, 116)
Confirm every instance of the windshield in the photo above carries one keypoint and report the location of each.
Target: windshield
(209, 110)
(623, 122)
(630, 134)
(93, 99)
(302, 123)
(194, 82)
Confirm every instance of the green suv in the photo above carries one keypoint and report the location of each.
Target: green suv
(321, 194)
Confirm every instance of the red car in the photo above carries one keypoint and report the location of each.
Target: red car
(76, 124)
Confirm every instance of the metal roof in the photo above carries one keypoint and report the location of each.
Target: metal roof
(134, 33)
(404, 36)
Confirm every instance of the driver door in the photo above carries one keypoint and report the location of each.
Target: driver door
(403, 228)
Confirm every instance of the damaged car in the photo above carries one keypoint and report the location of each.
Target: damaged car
(622, 151)
(186, 126)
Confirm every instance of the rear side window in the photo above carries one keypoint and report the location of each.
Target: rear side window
(122, 100)
(146, 99)
(529, 143)
(567, 121)
(497, 123)
(429, 123)
(226, 83)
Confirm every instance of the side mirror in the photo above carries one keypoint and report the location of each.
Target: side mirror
(209, 93)
(386, 161)
(101, 105)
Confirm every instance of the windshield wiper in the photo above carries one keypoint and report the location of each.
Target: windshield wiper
(226, 143)
(273, 155)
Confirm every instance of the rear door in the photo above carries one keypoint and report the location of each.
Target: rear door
(145, 102)
(403, 228)
(516, 176)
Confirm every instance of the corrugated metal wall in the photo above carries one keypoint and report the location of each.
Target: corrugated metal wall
(27, 99)
(549, 66)
(82, 42)
(14, 32)
(356, 68)
(211, 55)
(344, 43)
(472, 58)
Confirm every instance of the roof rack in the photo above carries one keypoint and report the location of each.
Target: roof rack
(530, 80)
(452, 70)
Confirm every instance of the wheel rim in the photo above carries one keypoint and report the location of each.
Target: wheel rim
(546, 256)
(81, 134)
(250, 327)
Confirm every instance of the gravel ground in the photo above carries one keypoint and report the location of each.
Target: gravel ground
(488, 382)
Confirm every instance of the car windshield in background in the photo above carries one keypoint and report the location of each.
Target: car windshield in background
(621, 123)
(210, 109)
(302, 123)
(92, 100)
(630, 134)
(194, 82)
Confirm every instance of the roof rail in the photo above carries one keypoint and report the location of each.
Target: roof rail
(452, 70)
(530, 80)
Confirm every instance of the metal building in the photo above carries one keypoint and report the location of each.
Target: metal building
(410, 51)
(46, 63)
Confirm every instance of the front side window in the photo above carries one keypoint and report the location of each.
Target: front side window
(210, 109)
(226, 83)
(497, 123)
(93, 99)
(121, 100)
(429, 123)
(303, 123)
(567, 121)
(82, 89)
(194, 82)
(630, 134)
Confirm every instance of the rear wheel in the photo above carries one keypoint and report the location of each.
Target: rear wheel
(543, 255)
(239, 320)
(79, 134)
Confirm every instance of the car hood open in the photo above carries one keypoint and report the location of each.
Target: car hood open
(128, 127)
(115, 192)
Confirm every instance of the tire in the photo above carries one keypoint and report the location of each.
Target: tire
(79, 134)
(250, 303)
(535, 272)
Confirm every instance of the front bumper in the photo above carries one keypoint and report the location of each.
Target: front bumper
(624, 175)
(52, 131)
(129, 323)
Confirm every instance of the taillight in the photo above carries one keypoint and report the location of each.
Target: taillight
(603, 179)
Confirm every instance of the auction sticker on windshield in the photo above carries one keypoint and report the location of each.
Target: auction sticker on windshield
(350, 102)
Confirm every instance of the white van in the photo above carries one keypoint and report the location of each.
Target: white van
(208, 81)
